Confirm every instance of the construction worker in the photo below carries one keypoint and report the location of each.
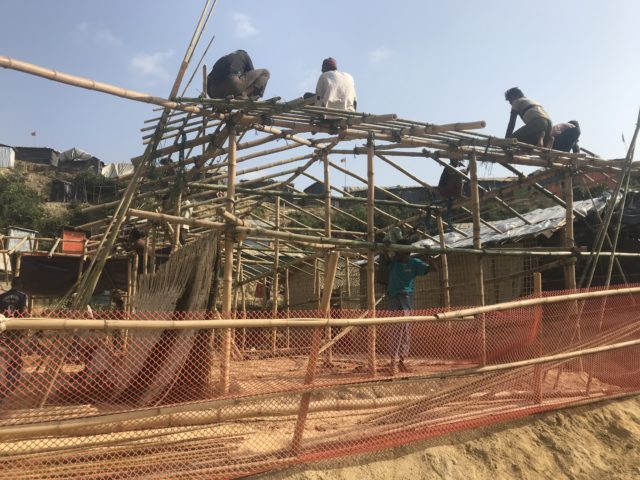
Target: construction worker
(565, 136)
(403, 270)
(234, 75)
(537, 123)
(335, 89)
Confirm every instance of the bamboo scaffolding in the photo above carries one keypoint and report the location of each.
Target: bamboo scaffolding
(430, 250)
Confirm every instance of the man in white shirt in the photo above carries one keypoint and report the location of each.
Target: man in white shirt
(335, 89)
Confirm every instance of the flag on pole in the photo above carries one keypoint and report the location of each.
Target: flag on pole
(33, 134)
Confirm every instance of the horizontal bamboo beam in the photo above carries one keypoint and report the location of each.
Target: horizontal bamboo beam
(45, 323)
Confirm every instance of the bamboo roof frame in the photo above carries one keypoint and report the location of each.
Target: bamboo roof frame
(188, 123)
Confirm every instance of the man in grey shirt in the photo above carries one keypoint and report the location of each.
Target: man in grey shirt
(537, 124)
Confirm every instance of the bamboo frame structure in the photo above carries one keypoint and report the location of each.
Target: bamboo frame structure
(241, 170)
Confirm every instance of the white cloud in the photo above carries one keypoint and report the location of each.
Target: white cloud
(244, 25)
(98, 35)
(379, 55)
(151, 65)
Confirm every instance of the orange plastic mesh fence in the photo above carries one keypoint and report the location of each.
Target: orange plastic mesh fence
(153, 403)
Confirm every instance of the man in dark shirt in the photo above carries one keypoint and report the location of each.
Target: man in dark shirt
(234, 75)
(13, 303)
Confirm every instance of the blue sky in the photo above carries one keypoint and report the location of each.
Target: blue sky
(430, 61)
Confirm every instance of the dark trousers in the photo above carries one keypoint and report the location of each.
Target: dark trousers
(566, 140)
(250, 84)
(537, 132)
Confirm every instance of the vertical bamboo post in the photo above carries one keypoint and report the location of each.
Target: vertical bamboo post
(443, 274)
(227, 283)
(204, 94)
(318, 277)
(134, 288)
(315, 277)
(152, 254)
(327, 231)
(329, 277)
(129, 285)
(82, 254)
(570, 268)
(177, 227)
(371, 286)
(145, 257)
(537, 370)
(477, 244)
(347, 268)
(275, 283)
(286, 302)
(444, 268)
(238, 276)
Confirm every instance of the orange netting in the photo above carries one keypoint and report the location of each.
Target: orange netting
(150, 402)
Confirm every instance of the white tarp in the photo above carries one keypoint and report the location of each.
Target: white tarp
(117, 170)
(7, 157)
(74, 155)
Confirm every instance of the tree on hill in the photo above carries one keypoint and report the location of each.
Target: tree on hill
(21, 206)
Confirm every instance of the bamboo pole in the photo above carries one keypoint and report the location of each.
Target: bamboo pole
(444, 268)
(569, 270)
(475, 199)
(330, 275)
(537, 370)
(152, 256)
(275, 283)
(327, 231)
(218, 416)
(44, 323)
(370, 272)
(227, 284)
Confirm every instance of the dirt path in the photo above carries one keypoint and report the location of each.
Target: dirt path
(594, 442)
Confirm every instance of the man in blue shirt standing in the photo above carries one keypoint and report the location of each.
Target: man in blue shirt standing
(403, 269)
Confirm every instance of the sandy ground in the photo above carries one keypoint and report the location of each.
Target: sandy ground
(599, 441)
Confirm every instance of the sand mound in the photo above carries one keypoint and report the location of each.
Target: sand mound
(598, 441)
